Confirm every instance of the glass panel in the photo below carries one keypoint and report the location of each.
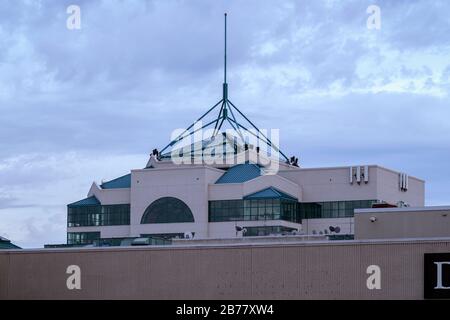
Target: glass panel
(98, 215)
(167, 210)
(262, 209)
(331, 209)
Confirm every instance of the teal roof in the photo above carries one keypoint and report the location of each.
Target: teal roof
(7, 244)
(91, 201)
(120, 182)
(269, 193)
(240, 173)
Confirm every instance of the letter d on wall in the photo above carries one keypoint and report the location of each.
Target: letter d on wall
(74, 280)
(374, 280)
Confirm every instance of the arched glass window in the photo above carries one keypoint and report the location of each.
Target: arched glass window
(167, 210)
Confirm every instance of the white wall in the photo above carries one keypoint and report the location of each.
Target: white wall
(333, 184)
(389, 188)
(187, 183)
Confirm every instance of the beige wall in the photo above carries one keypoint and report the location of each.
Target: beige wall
(394, 223)
(189, 184)
(389, 189)
(333, 184)
(325, 270)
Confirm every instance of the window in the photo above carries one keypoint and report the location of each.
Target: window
(331, 209)
(98, 215)
(82, 237)
(254, 209)
(167, 210)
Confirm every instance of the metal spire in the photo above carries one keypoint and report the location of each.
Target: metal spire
(225, 106)
(225, 56)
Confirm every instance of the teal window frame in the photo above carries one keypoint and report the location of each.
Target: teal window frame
(98, 215)
(252, 210)
(167, 210)
(332, 209)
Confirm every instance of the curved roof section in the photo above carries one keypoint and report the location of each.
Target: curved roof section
(269, 193)
(91, 201)
(240, 173)
(118, 183)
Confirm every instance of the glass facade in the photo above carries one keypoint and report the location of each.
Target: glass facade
(332, 209)
(167, 210)
(245, 210)
(282, 209)
(266, 230)
(82, 237)
(98, 215)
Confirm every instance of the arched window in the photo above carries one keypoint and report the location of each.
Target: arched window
(167, 210)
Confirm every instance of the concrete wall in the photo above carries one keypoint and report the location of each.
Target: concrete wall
(394, 223)
(333, 184)
(388, 188)
(187, 183)
(325, 270)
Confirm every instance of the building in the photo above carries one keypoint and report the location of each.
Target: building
(227, 185)
(403, 223)
(407, 247)
(243, 223)
(273, 271)
(208, 201)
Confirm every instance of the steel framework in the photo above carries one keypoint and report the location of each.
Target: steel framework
(225, 114)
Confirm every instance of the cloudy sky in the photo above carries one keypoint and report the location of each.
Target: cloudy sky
(90, 104)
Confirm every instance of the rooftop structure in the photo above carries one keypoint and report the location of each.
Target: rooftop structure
(7, 244)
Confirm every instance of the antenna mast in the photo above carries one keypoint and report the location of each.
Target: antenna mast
(225, 56)
(226, 109)
(225, 84)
